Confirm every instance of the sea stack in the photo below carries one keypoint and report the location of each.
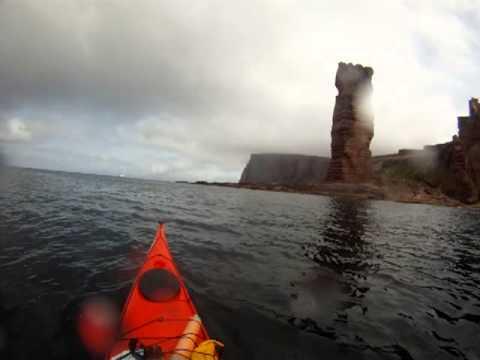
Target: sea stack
(352, 128)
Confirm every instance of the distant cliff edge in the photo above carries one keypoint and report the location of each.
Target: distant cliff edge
(285, 169)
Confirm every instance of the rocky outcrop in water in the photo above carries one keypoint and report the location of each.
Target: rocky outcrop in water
(352, 128)
(285, 169)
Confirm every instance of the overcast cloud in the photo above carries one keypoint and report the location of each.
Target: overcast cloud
(188, 89)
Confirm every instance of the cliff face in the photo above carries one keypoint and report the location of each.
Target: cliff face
(459, 160)
(469, 135)
(285, 169)
(455, 181)
(452, 167)
(352, 128)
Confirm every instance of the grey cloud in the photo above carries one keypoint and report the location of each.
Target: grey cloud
(188, 89)
(110, 56)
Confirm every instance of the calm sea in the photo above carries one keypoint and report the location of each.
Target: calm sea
(274, 275)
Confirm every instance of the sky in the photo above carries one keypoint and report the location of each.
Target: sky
(187, 90)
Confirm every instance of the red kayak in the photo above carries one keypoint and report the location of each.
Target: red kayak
(159, 319)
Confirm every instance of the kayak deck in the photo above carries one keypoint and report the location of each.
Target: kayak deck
(158, 308)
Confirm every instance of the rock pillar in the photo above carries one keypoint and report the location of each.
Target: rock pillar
(352, 128)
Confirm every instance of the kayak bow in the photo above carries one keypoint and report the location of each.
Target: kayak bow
(159, 319)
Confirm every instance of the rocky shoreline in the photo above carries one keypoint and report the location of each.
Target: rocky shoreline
(402, 192)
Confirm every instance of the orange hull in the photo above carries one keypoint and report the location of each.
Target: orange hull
(158, 309)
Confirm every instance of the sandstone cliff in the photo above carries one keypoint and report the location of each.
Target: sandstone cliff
(469, 136)
(285, 169)
(459, 160)
(352, 128)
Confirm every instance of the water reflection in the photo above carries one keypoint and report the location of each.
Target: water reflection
(341, 246)
(345, 258)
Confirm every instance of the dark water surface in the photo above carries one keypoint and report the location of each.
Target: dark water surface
(274, 275)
